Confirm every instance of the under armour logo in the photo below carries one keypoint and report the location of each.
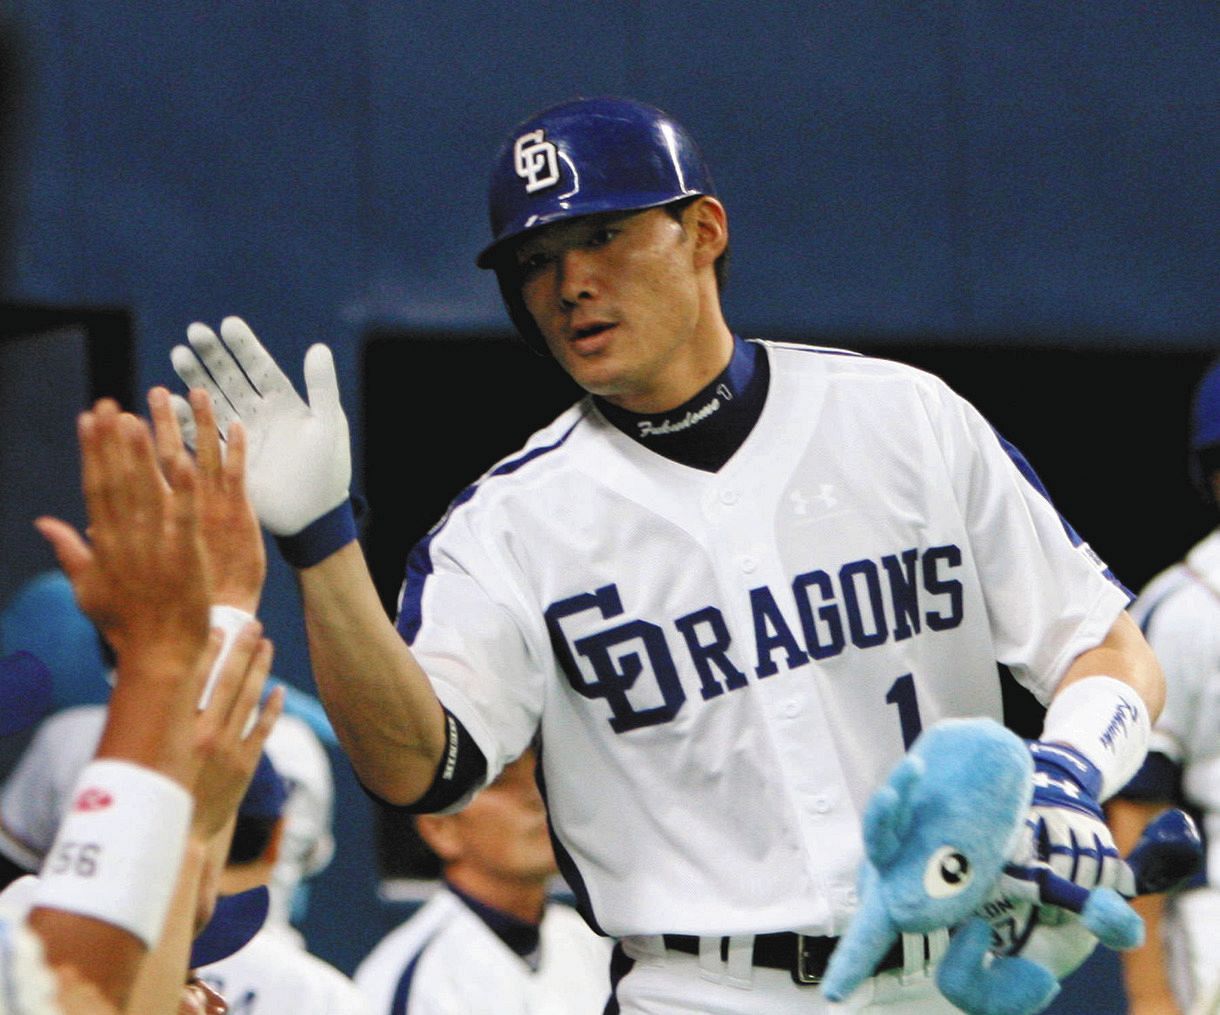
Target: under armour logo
(825, 496)
(536, 160)
(1065, 786)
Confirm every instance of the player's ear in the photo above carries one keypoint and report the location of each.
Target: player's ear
(708, 222)
(440, 835)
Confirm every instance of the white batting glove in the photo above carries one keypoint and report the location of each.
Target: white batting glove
(299, 464)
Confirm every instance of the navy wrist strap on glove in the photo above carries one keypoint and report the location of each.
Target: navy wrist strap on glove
(1063, 777)
(320, 538)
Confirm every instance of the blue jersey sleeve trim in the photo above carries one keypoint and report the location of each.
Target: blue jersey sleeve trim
(419, 561)
(1031, 477)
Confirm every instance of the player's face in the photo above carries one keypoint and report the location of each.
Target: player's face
(627, 302)
(503, 829)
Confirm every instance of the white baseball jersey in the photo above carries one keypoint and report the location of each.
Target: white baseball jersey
(37, 792)
(1179, 611)
(445, 960)
(724, 665)
(273, 975)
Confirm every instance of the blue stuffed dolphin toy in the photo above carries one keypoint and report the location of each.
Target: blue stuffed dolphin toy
(938, 835)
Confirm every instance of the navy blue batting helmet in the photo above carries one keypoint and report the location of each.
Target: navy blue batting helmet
(588, 156)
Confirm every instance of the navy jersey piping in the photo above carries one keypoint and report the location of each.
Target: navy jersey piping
(1031, 477)
(563, 859)
(402, 990)
(620, 965)
(1161, 600)
(419, 562)
(825, 350)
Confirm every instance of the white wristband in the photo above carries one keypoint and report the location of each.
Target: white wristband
(118, 850)
(230, 620)
(1106, 721)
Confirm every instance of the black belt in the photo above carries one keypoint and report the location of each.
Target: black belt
(804, 957)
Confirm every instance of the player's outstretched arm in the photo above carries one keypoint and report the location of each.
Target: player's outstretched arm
(226, 749)
(378, 697)
(103, 893)
(298, 474)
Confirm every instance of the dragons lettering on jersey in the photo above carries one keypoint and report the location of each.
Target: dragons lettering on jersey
(864, 603)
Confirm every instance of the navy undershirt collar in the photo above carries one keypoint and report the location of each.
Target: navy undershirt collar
(521, 937)
(704, 431)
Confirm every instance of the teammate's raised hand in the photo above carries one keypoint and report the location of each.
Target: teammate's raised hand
(140, 573)
(298, 466)
(231, 730)
(235, 556)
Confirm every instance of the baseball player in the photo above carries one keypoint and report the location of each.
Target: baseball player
(726, 589)
(1179, 611)
(490, 940)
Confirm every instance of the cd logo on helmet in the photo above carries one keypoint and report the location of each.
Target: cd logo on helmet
(537, 161)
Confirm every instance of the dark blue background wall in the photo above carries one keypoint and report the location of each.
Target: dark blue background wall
(984, 173)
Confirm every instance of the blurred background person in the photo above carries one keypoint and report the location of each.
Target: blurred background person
(282, 836)
(1178, 969)
(492, 940)
(272, 973)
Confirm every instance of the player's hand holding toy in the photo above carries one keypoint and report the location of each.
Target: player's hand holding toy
(1064, 886)
(953, 841)
(298, 468)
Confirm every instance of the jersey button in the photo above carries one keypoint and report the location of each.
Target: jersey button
(820, 804)
(792, 709)
(728, 497)
(749, 564)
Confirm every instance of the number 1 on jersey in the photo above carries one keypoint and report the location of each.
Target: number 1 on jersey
(902, 694)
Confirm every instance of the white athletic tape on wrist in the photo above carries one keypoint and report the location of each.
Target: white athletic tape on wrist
(230, 620)
(1106, 721)
(118, 851)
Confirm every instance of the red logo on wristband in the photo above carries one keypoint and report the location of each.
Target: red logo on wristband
(92, 799)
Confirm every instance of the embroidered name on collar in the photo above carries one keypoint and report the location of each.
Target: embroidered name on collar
(648, 428)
